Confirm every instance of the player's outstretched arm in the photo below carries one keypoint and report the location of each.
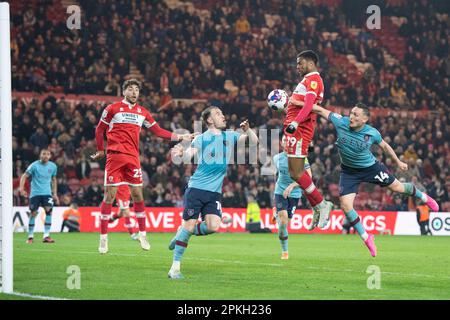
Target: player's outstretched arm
(248, 132)
(321, 111)
(390, 152)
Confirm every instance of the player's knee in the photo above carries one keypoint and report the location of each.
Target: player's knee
(213, 227)
(346, 207)
(34, 214)
(189, 225)
(48, 211)
(283, 217)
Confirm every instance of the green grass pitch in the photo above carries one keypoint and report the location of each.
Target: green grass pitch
(234, 266)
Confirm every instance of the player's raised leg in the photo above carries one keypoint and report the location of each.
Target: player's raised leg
(352, 216)
(105, 211)
(410, 189)
(139, 210)
(321, 207)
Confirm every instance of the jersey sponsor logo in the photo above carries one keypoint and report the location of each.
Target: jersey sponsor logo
(128, 118)
(314, 85)
(354, 144)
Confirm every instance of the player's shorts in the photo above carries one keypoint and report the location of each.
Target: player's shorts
(289, 204)
(351, 178)
(123, 197)
(202, 202)
(297, 143)
(40, 201)
(122, 169)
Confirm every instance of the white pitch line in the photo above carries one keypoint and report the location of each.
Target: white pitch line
(186, 258)
(27, 295)
(260, 263)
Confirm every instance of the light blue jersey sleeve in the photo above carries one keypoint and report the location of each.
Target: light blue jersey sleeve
(31, 169)
(55, 170)
(275, 160)
(377, 136)
(336, 119)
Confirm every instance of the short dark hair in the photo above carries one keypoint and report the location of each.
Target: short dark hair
(364, 109)
(206, 113)
(309, 55)
(131, 82)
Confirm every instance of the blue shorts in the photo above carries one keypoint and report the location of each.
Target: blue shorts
(40, 201)
(289, 204)
(351, 178)
(202, 202)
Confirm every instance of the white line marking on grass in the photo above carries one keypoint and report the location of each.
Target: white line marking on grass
(185, 258)
(259, 263)
(27, 295)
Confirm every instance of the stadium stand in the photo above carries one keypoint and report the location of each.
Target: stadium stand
(240, 56)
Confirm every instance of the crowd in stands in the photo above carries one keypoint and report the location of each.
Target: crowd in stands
(231, 53)
(68, 131)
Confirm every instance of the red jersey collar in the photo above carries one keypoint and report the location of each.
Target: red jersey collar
(311, 73)
(129, 104)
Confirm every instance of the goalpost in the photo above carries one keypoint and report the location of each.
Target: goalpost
(6, 185)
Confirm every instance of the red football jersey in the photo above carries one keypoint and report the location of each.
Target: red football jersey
(312, 82)
(125, 122)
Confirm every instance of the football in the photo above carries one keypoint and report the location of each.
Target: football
(277, 99)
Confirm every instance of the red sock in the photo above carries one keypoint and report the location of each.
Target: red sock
(139, 210)
(311, 193)
(128, 225)
(105, 209)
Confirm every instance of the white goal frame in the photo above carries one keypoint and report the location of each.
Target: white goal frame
(6, 185)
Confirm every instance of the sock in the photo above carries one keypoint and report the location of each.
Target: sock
(311, 193)
(139, 209)
(180, 246)
(355, 222)
(48, 223)
(31, 227)
(201, 229)
(411, 190)
(128, 225)
(105, 209)
(283, 235)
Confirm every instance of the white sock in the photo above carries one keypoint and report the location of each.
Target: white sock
(176, 265)
(46, 235)
(364, 236)
(104, 237)
(142, 233)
